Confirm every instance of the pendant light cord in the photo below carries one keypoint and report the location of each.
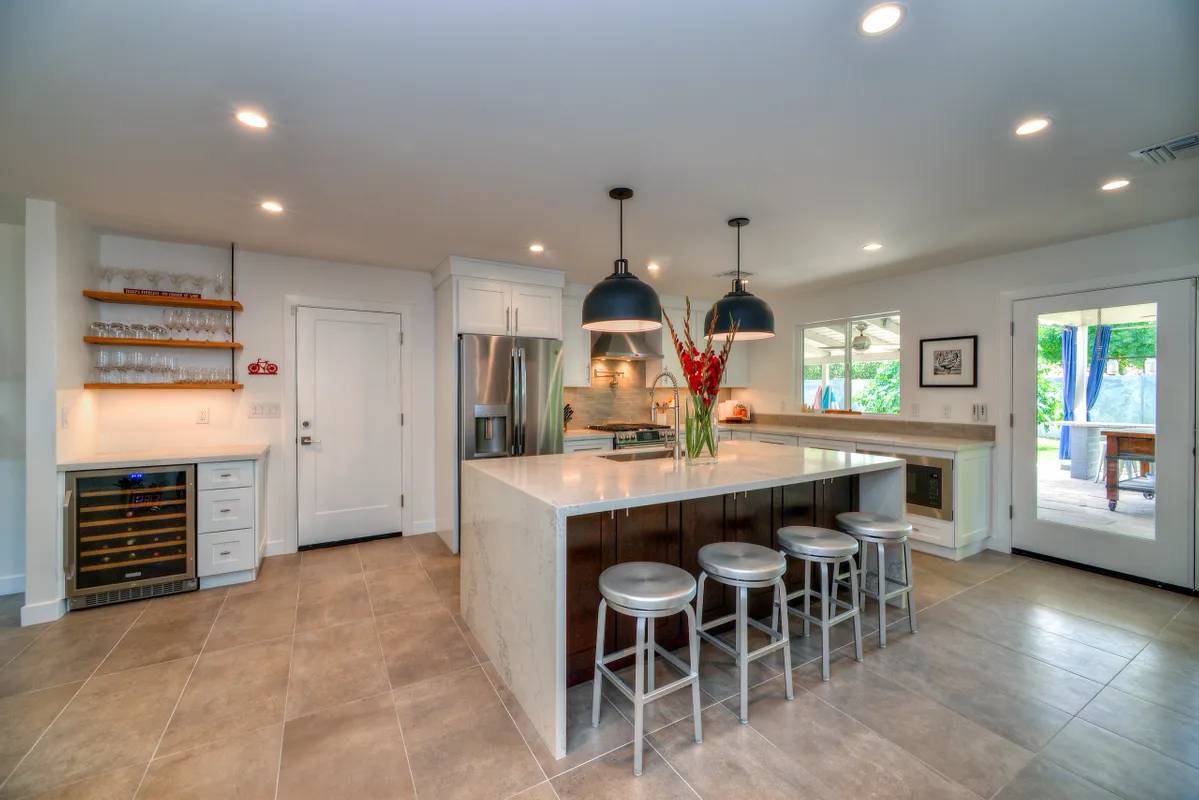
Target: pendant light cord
(738, 256)
(621, 229)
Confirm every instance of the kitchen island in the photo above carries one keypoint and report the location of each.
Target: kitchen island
(536, 533)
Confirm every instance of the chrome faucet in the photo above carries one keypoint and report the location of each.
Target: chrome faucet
(653, 409)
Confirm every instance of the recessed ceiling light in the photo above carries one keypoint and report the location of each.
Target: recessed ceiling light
(1030, 126)
(652, 266)
(870, 247)
(252, 119)
(272, 206)
(536, 247)
(881, 19)
(1115, 184)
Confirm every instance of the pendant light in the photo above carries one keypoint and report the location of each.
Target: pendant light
(621, 302)
(753, 316)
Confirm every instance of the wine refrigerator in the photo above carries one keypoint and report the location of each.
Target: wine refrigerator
(130, 534)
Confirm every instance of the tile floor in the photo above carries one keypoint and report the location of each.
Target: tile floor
(347, 672)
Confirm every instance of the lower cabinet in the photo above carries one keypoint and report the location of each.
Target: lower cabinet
(227, 532)
(673, 533)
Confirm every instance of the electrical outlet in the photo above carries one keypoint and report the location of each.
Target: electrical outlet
(915, 409)
(264, 411)
(64, 416)
(202, 416)
(946, 411)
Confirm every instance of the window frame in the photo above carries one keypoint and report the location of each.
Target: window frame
(846, 323)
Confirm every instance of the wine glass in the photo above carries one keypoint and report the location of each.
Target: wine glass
(177, 279)
(138, 363)
(153, 367)
(120, 366)
(187, 322)
(170, 318)
(103, 366)
(218, 284)
(227, 325)
(106, 275)
(197, 281)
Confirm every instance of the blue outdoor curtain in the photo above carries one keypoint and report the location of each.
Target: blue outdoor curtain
(1103, 340)
(1069, 370)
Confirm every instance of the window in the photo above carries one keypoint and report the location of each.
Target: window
(851, 364)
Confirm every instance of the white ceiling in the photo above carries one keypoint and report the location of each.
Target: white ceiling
(404, 132)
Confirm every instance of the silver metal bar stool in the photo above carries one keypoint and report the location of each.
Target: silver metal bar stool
(828, 550)
(646, 590)
(875, 529)
(746, 566)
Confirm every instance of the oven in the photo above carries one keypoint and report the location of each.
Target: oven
(929, 484)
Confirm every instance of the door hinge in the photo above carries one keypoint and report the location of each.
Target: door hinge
(1011, 512)
(1011, 420)
(401, 420)
(1013, 333)
(401, 338)
(401, 501)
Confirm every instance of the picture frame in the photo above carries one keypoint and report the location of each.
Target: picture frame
(949, 362)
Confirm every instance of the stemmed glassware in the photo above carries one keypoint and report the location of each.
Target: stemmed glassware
(227, 325)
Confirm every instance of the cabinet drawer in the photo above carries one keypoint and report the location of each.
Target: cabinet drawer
(775, 438)
(224, 509)
(826, 444)
(226, 551)
(587, 445)
(742, 435)
(225, 475)
(933, 531)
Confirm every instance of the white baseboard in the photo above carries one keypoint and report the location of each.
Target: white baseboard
(37, 613)
(227, 579)
(422, 526)
(12, 584)
(977, 546)
(278, 548)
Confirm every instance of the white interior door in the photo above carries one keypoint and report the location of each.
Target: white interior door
(1120, 493)
(347, 424)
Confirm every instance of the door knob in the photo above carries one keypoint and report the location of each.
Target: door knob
(309, 440)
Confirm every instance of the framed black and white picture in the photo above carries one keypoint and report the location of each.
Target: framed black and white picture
(952, 361)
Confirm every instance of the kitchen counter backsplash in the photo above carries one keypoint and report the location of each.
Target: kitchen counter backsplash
(628, 402)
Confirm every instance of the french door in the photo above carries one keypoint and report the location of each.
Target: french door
(347, 424)
(1104, 429)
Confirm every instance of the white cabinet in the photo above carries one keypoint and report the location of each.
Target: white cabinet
(743, 436)
(225, 551)
(228, 534)
(224, 509)
(776, 438)
(576, 344)
(224, 475)
(736, 371)
(500, 308)
(826, 444)
(599, 444)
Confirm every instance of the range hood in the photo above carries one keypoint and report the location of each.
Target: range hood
(631, 346)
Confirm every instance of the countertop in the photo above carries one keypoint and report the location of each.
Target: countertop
(167, 455)
(873, 438)
(585, 433)
(580, 483)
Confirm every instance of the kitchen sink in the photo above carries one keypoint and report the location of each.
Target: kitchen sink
(639, 455)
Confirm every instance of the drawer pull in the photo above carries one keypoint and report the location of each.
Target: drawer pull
(226, 510)
(226, 552)
(226, 475)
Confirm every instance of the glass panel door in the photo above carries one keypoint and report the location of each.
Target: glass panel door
(1103, 395)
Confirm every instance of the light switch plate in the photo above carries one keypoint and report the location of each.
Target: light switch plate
(264, 410)
(202, 416)
(946, 411)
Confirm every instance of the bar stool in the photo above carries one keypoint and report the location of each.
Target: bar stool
(828, 550)
(646, 590)
(745, 566)
(875, 529)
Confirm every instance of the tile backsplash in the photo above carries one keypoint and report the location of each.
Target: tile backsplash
(628, 401)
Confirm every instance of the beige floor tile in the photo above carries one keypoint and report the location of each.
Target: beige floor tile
(718, 675)
(331, 601)
(10, 610)
(256, 617)
(428, 544)
(1044, 780)
(931, 588)
(583, 742)
(399, 588)
(326, 561)
(24, 717)
(277, 572)
(1183, 630)
(170, 628)
(13, 641)
(1163, 675)
(735, 759)
(385, 553)
(612, 778)
(471, 640)
(421, 643)
(542, 791)
(114, 721)
(489, 759)
(67, 652)
(1081, 659)
(230, 692)
(1154, 726)
(970, 571)
(663, 711)
(334, 665)
(958, 748)
(353, 750)
(118, 784)
(1120, 765)
(443, 571)
(242, 767)
(841, 752)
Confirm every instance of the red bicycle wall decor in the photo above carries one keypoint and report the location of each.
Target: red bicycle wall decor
(263, 367)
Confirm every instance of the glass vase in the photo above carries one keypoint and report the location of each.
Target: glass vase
(702, 440)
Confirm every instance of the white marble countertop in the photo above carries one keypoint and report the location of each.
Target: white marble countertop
(582, 483)
(166, 455)
(919, 441)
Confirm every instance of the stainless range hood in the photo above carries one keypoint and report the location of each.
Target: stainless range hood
(632, 346)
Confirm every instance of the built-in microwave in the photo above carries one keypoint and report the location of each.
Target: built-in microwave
(929, 484)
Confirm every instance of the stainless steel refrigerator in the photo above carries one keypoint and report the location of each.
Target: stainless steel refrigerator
(510, 390)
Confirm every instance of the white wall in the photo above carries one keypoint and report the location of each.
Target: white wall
(970, 298)
(12, 408)
(135, 419)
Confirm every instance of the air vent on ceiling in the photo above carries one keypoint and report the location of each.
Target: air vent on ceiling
(1164, 153)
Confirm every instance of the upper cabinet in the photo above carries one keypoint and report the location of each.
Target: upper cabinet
(496, 299)
(576, 342)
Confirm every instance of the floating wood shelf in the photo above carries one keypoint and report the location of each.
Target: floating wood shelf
(233, 387)
(156, 300)
(162, 343)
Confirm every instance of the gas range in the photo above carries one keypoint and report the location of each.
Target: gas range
(636, 434)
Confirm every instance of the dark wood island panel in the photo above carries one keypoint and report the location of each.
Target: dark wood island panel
(673, 533)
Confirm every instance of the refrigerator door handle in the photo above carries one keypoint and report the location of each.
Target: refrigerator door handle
(514, 408)
(524, 399)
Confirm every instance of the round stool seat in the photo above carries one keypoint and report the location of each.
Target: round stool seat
(741, 561)
(875, 526)
(804, 541)
(647, 586)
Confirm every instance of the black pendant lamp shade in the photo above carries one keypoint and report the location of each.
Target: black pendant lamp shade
(754, 318)
(621, 302)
